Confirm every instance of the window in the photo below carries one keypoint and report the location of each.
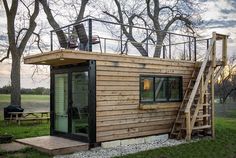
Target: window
(147, 89)
(160, 89)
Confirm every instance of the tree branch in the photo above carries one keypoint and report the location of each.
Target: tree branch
(26, 7)
(148, 10)
(128, 33)
(119, 11)
(6, 6)
(7, 56)
(36, 34)
(32, 26)
(227, 95)
(111, 15)
(82, 10)
(187, 21)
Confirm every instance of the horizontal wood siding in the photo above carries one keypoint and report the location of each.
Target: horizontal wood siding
(118, 115)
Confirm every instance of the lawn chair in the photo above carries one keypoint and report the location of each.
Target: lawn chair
(70, 43)
(62, 39)
(83, 38)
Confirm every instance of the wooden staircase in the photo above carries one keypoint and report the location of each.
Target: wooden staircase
(196, 112)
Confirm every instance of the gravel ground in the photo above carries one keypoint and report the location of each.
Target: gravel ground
(100, 152)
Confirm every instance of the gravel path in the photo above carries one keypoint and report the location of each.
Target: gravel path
(100, 152)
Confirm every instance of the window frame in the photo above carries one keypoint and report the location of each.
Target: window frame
(167, 87)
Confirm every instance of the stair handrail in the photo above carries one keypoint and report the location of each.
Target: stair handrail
(199, 77)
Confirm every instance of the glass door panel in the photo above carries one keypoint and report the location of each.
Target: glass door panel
(61, 103)
(79, 103)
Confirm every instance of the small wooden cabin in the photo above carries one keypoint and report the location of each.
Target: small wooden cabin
(98, 97)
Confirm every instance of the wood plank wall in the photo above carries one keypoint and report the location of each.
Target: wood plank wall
(117, 97)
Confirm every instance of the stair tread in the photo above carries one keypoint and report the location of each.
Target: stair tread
(179, 122)
(201, 127)
(195, 98)
(175, 133)
(202, 104)
(205, 115)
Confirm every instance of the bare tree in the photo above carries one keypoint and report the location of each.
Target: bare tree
(158, 15)
(18, 40)
(18, 37)
(227, 82)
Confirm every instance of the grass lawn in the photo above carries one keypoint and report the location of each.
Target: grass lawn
(24, 130)
(26, 153)
(224, 146)
(25, 97)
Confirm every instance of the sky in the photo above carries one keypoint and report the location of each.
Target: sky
(220, 16)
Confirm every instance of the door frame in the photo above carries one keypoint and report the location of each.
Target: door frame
(89, 66)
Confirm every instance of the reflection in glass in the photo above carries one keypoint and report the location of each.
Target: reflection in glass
(174, 90)
(80, 102)
(161, 89)
(61, 102)
(146, 88)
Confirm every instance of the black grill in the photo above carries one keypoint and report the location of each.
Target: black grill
(12, 108)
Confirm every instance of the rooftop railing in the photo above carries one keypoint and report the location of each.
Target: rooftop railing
(95, 35)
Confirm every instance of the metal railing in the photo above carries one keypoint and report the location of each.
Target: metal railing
(112, 39)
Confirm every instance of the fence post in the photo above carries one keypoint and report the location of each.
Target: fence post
(90, 49)
(195, 49)
(147, 40)
(184, 52)
(51, 39)
(105, 45)
(189, 48)
(164, 51)
(121, 47)
(169, 46)
(69, 37)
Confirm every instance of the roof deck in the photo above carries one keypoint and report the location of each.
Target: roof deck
(93, 39)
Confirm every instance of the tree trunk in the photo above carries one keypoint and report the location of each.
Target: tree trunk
(15, 79)
(160, 37)
(157, 53)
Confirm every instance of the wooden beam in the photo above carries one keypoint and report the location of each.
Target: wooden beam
(212, 107)
(188, 126)
(224, 51)
(213, 54)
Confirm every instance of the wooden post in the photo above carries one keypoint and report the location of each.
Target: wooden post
(212, 87)
(188, 126)
(212, 107)
(203, 101)
(224, 51)
(214, 50)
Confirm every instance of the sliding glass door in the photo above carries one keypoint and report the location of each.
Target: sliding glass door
(61, 103)
(70, 103)
(80, 103)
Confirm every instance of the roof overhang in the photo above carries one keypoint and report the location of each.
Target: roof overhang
(56, 58)
(67, 57)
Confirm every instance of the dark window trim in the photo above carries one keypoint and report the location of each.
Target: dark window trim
(161, 76)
